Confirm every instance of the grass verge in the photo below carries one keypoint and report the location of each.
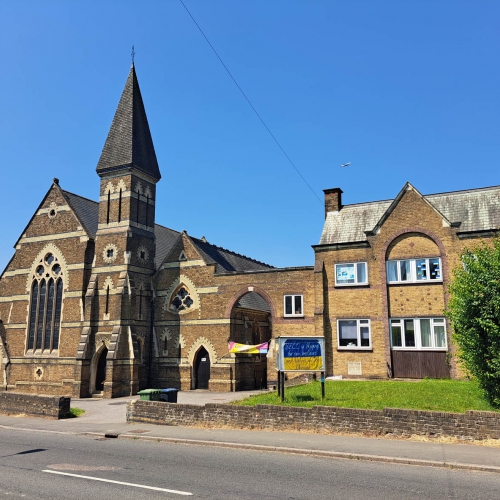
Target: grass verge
(434, 395)
(76, 412)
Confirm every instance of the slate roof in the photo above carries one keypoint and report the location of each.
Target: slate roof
(252, 300)
(226, 261)
(474, 209)
(165, 240)
(129, 142)
(86, 210)
(477, 210)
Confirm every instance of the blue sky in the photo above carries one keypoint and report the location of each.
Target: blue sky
(404, 90)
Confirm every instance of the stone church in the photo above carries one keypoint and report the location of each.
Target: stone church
(100, 300)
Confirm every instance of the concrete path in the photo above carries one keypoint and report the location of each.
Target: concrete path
(107, 418)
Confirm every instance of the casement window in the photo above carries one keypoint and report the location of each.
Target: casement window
(418, 333)
(294, 305)
(354, 334)
(45, 305)
(414, 270)
(351, 274)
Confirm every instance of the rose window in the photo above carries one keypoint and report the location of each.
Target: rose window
(181, 300)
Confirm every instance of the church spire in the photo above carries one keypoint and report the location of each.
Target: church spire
(129, 143)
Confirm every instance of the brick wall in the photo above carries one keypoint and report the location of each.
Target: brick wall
(322, 419)
(31, 405)
(412, 230)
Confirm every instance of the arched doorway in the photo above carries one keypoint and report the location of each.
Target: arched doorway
(100, 376)
(251, 324)
(202, 369)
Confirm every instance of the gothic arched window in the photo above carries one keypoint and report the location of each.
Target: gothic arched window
(45, 305)
(181, 300)
(120, 206)
(108, 207)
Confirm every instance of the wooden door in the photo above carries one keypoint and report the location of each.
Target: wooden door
(419, 364)
(202, 369)
(100, 376)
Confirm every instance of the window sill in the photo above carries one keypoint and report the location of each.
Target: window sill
(354, 348)
(42, 354)
(421, 349)
(292, 316)
(407, 283)
(354, 285)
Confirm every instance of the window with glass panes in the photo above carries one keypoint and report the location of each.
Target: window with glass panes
(351, 274)
(45, 305)
(414, 270)
(294, 305)
(418, 333)
(353, 333)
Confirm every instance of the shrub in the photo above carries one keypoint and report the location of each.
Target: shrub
(474, 313)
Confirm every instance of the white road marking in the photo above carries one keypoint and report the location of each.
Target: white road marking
(185, 493)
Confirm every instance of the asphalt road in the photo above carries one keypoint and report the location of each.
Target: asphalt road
(50, 466)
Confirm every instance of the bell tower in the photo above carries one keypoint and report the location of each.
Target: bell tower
(124, 249)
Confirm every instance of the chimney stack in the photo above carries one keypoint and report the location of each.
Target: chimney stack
(333, 200)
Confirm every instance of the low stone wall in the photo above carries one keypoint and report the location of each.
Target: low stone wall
(34, 405)
(321, 419)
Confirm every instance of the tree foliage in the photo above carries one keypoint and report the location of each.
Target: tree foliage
(474, 313)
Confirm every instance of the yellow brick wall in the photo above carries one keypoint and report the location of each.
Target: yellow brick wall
(412, 230)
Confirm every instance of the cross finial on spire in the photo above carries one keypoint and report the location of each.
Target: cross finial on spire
(133, 54)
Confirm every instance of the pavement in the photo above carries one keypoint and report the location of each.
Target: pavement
(106, 418)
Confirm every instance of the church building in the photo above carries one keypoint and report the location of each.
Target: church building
(100, 300)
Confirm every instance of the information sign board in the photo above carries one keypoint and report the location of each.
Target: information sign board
(300, 354)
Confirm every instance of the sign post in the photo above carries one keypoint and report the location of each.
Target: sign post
(300, 354)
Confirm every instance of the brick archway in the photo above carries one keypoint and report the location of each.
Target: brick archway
(383, 279)
(242, 291)
(415, 230)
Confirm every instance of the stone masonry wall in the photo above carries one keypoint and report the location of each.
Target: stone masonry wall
(321, 419)
(30, 405)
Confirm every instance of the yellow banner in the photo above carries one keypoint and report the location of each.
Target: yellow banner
(248, 349)
(309, 363)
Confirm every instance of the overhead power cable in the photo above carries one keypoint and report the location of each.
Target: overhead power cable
(250, 104)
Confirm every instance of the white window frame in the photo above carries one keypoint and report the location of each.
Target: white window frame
(359, 324)
(355, 274)
(434, 322)
(414, 270)
(293, 314)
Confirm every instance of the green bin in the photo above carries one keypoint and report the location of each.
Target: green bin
(150, 394)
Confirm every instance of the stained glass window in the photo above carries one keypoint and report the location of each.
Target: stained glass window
(45, 305)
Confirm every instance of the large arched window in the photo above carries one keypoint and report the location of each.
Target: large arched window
(45, 305)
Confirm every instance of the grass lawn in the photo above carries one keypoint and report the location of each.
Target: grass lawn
(438, 395)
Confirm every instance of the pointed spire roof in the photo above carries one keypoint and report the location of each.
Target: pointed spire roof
(129, 143)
